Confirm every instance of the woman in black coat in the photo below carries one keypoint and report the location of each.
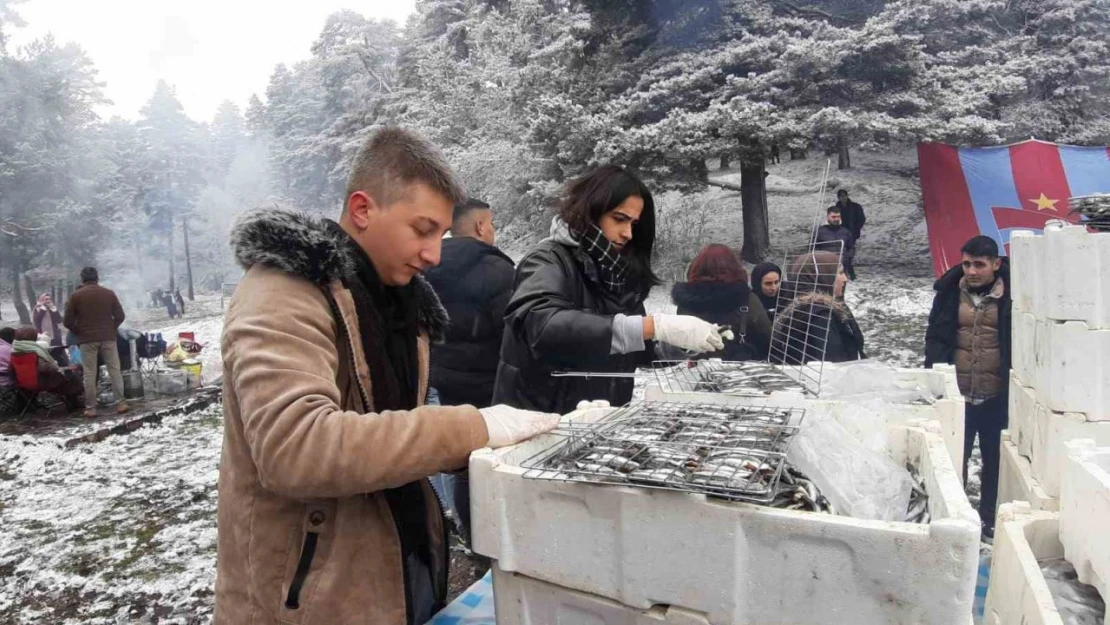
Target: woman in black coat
(817, 324)
(578, 301)
(717, 291)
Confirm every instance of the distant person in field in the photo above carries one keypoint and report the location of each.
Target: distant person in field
(180, 301)
(836, 238)
(969, 326)
(851, 214)
(94, 314)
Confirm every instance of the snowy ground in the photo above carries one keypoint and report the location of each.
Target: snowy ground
(124, 530)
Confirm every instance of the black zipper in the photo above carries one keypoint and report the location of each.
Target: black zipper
(308, 552)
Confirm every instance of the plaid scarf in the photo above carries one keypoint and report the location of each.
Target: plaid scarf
(611, 266)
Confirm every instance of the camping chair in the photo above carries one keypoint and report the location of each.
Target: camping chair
(26, 367)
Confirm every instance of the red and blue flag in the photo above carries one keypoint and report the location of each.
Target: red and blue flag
(996, 190)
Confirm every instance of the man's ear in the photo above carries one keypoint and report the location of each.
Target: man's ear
(997, 264)
(360, 208)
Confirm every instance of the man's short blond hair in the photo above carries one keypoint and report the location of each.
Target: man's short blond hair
(393, 159)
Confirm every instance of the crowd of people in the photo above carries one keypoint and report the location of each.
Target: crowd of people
(91, 320)
(409, 340)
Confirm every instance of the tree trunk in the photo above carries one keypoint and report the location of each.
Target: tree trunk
(17, 295)
(188, 259)
(32, 299)
(170, 255)
(725, 161)
(844, 159)
(753, 194)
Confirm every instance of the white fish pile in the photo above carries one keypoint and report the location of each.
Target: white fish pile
(1077, 603)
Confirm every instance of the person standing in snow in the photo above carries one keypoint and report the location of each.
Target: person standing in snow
(969, 326)
(325, 513)
(836, 238)
(578, 301)
(180, 301)
(94, 315)
(48, 320)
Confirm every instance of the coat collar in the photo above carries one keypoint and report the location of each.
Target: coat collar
(316, 250)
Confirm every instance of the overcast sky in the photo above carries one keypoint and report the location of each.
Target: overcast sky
(210, 50)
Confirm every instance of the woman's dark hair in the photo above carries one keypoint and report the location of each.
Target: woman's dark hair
(590, 196)
(814, 271)
(26, 333)
(716, 263)
(7, 335)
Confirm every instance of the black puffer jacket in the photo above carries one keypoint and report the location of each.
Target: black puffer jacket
(474, 281)
(944, 322)
(560, 318)
(727, 304)
(812, 326)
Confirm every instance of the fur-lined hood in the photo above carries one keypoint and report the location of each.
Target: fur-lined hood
(315, 249)
(812, 304)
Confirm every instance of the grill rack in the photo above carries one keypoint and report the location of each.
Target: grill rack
(732, 452)
(746, 379)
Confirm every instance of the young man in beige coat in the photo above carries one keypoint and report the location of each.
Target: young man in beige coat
(325, 515)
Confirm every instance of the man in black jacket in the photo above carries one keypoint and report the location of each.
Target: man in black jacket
(852, 214)
(836, 238)
(474, 280)
(969, 326)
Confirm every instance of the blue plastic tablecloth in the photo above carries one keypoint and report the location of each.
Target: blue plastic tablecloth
(473, 607)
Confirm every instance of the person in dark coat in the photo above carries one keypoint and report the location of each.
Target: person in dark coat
(851, 213)
(578, 301)
(766, 279)
(180, 301)
(836, 238)
(817, 325)
(717, 291)
(969, 327)
(474, 281)
(48, 320)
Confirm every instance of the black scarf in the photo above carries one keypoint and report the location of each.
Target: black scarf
(612, 268)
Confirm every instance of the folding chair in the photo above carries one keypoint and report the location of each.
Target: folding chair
(26, 367)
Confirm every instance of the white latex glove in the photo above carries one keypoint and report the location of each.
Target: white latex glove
(688, 333)
(508, 426)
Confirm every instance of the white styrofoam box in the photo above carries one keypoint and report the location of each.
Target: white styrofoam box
(1062, 275)
(1018, 592)
(1069, 365)
(1041, 435)
(948, 411)
(1085, 513)
(521, 600)
(1024, 264)
(734, 562)
(1016, 481)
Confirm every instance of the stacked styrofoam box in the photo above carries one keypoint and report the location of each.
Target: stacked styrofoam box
(1061, 318)
(1018, 592)
(735, 563)
(521, 600)
(1016, 481)
(1041, 434)
(1085, 514)
(940, 381)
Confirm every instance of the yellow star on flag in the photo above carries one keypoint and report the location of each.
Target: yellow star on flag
(1043, 203)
